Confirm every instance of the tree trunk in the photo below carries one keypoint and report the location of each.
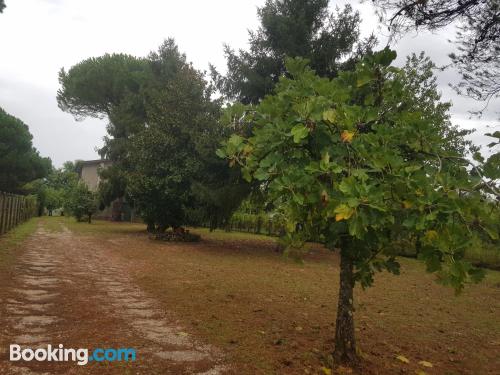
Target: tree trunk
(418, 246)
(345, 342)
(90, 218)
(150, 227)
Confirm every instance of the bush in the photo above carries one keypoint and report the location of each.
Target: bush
(177, 235)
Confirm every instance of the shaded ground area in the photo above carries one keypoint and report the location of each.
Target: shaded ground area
(267, 314)
(67, 289)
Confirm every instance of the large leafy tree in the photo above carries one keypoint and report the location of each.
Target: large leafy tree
(20, 162)
(358, 161)
(162, 132)
(291, 28)
(170, 158)
(2, 5)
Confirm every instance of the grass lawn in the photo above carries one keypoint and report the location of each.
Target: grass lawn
(274, 316)
(9, 242)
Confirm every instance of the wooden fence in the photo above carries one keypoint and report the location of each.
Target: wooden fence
(15, 209)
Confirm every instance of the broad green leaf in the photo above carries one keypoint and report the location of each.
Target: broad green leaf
(330, 116)
(261, 174)
(491, 232)
(299, 132)
(364, 78)
(356, 227)
(235, 140)
(221, 153)
(325, 161)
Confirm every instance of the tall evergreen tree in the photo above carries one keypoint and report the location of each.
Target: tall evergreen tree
(293, 28)
(20, 162)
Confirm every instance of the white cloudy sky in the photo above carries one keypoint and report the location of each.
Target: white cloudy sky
(38, 37)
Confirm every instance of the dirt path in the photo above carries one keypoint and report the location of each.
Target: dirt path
(69, 290)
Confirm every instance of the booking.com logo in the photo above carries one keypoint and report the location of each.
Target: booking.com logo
(62, 354)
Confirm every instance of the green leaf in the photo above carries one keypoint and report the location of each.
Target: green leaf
(348, 186)
(356, 227)
(364, 78)
(413, 168)
(491, 232)
(261, 174)
(324, 162)
(329, 115)
(235, 140)
(221, 153)
(246, 174)
(299, 132)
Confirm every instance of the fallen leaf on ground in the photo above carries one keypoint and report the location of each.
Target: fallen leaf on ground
(344, 370)
(326, 370)
(425, 364)
(403, 359)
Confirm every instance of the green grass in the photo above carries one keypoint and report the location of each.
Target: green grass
(487, 256)
(10, 240)
(52, 223)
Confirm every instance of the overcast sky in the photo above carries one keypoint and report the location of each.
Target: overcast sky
(38, 37)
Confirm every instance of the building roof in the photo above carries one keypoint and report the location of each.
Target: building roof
(94, 162)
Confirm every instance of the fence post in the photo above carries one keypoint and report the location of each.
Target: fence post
(5, 213)
(16, 203)
(2, 219)
(19, 210)
(14, 209)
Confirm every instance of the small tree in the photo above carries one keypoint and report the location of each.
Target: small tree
(53, 199)
(357, 161)
(81, 202)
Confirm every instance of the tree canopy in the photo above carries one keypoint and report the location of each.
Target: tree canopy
(477, 39)
(292, 28)
(2, 5)
(361, 162)
(20, 162)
